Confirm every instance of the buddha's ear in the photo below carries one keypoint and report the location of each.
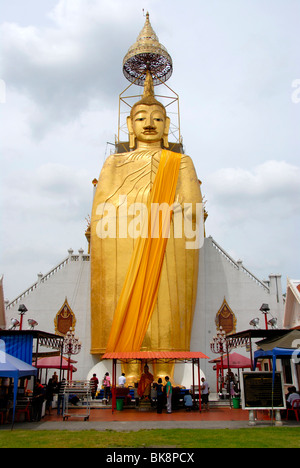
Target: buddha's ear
(166, 133)
(131, 133)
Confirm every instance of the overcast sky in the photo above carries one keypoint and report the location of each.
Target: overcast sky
(236, 68)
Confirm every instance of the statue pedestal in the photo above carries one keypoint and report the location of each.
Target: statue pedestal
(145, 405)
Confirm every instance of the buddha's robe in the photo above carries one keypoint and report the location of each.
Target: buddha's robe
(132, 175)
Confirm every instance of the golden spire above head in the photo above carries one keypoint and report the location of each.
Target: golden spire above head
(148, 86)
(148, 98)
(147, 54)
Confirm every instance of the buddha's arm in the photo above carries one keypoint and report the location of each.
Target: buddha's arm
(188, 186)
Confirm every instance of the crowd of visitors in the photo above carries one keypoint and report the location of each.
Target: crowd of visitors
(165, 395)
(164, 391)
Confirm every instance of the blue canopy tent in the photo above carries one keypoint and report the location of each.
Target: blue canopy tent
(13, 367)
(274, 354)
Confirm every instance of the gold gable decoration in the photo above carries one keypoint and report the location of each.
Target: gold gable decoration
(226, 319)
(64, 320)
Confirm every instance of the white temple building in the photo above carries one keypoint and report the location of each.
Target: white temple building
(228, 295)
(292, 306)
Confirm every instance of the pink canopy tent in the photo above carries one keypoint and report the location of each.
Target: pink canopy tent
(236, 361)
(56, 362)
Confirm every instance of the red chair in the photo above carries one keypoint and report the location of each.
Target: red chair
(25, 410)
(295, 408)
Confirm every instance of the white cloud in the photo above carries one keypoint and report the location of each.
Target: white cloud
(65, 67)
(270, 180)
(266, 198)
(45, 211)
(255, 213)
(52, 190)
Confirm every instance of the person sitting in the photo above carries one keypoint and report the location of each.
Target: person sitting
(188, 402)
(292, 396)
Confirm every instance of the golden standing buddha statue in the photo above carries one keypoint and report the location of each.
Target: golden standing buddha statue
(127, 183)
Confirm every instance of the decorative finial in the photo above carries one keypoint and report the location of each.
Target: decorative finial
(147, 54)
(147, 14)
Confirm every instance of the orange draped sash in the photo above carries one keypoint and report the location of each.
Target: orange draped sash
(140, 289)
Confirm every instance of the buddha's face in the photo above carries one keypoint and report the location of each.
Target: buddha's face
(149, 124)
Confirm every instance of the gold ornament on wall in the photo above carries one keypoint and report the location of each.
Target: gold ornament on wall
(64, 320)
(226, 319)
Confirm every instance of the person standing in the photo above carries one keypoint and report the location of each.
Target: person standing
(106, 385)
(122, 380)
(160, 395)
(94, 385)
(61, 396)
(205, 393)
(38, 397)
(49, 395)
(168, 394)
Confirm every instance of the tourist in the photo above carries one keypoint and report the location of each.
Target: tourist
(55, 379)
(60, 396)
(160, 395)
(188, 401)
(106, 385)
(292, 396)
(168, 394)
(94, 385)
(205, 393)
(49, 395)
(38, 397)
(122, 380)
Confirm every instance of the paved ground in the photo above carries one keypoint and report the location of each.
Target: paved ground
(133, 420)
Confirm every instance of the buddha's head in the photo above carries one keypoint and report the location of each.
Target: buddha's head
(148, 122)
